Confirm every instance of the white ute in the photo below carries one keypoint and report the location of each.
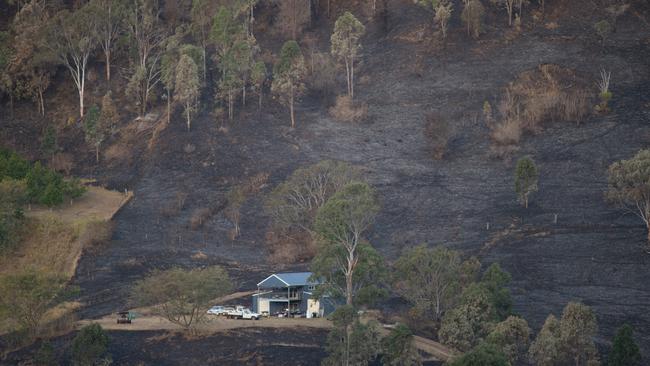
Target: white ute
(237, 312)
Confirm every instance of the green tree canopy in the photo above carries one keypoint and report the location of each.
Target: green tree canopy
(346, 262)
(28, 295)
(182, 296)
(483, 355)
(495, 281)
(346, 45)
(90, 345)
(625, 351)
(187, 86)
(429, 278)
(288, 76)
(398, 348)
(546, 349)
(512, 337)
(350, 342)
(578, 327)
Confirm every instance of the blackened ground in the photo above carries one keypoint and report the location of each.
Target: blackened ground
(255, 346)
(593, 253)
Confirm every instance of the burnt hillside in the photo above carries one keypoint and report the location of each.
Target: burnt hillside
(590, 251)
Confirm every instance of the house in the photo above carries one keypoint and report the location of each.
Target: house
(280, 293)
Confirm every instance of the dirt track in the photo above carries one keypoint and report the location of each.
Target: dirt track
(216, 324)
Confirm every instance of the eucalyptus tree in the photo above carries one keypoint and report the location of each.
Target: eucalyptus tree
(187, 86)
(72, 39)
(346, 45)
(288, 76)
(348, 263)
(109, 18)
(148, 35)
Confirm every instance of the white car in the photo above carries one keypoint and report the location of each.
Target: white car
(247, 314)
(216, 310)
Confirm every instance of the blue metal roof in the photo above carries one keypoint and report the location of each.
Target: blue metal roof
(287, 279)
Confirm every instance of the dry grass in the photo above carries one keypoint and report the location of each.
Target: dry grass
(54, 246)
(199, 256)
(345, 110)
(199, 217)
(54, 239)
(96, 204)
(118, 153)
(547, 93)
(290, 247)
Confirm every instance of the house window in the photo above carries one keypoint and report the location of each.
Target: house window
(311, 287)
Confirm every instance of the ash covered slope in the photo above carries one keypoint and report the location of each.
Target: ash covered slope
(592, 254)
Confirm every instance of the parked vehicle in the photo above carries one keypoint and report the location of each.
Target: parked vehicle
(240, 312)
(125, 317)
(217, 310)
(248, 314)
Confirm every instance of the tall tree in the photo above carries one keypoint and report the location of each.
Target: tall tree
(227, 33)
(294, 16)
(72, 39)
(258, 79)
(472, 16)
(346, 45)
(546, 349)
(512, 337)
(495, 281)
(288, 76)
(467, 324)
(32, 64)
(109, 19)
(428, 278)
(201, 14)
(629, 186)
(509, 5)
(168, 64)
(226, 30)
(443, 14)
(625, 351)
(187, 86)
(578, 327)
(526, 177)
(147, 33)
(341, 223)
(350, 342)
(242, 54)
(94, 131)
